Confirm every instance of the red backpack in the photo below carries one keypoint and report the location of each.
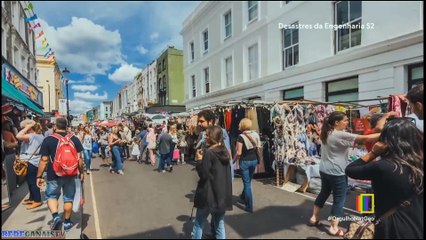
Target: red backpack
(66, 161)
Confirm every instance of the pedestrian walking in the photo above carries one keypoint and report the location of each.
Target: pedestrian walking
(115, 144)
(174, 152)
(334, 157)
(247, 143)
(400, 170)
(214, 189)
(135, 149)
(165, 142)
(151, 139)
(103, 141)
(143, 145)
(32, 138)
(87, 145)
(65, 182)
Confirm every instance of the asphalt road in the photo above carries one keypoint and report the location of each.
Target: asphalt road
(144, 203)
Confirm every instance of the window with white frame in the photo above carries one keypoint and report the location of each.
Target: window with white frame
(349, 14)
(194, 90)
(192, 51)
(253, 62)
(252, 10)
(342, 90)
(228, 71)
(290, 46)
(206, 80)
(228, 24)
(205, 40)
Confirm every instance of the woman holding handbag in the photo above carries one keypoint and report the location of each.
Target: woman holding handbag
(246, 153)
(32, 138)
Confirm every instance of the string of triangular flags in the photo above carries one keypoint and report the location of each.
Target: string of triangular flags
(49, 54)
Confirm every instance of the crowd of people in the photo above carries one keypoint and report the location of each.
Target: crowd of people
(394, 164)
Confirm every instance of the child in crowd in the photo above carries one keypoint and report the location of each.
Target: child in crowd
(135, 149)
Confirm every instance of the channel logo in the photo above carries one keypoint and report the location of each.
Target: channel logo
(365, 203)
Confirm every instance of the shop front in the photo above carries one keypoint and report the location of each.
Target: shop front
(20, 100)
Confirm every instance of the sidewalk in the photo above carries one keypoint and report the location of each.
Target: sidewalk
(17, 217)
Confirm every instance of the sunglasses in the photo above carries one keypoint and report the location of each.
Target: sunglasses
(413, 120)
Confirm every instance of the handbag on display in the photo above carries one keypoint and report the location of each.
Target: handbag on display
(20, 167)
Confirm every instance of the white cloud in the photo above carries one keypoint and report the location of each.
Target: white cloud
(125, 73)
(83, 46)
(168, 24)
(90, 97)
(141, 49)
(154, 36)
(84, 87)
(78, 106)
(89, 79)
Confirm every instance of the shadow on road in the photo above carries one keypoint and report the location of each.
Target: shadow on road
(248, 225)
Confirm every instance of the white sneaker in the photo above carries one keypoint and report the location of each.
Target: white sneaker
(183, 162)
(163, 171)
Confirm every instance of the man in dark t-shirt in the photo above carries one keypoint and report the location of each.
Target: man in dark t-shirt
(56, 183)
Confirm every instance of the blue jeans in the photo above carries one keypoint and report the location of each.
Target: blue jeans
(35, 194)
(201, 217)
(67, 184)
(247, 170)
(87, 158)
(117, 164)
(337, 184)
(165, 158)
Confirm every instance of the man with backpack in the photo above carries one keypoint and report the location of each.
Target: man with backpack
(62, 154)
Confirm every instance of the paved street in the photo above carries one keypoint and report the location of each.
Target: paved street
(146, 204)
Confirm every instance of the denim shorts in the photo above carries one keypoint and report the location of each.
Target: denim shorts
(67, 184)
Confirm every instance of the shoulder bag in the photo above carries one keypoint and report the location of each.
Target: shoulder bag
(365, 230)
(257, 149)
(20, 167)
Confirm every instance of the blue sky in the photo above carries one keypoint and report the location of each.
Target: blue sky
(105, 44)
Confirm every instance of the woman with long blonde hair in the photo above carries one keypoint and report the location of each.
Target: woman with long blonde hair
(115, 143)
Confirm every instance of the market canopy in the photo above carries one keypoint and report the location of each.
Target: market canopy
(8, 90)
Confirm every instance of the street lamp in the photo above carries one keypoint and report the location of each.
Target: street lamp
(66, 72)
(48, 87)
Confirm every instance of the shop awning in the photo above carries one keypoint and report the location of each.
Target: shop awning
(8, 90)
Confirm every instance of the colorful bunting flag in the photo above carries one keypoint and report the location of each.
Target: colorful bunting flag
(43, 41)
(35, 26)
(47, 54)
(45, 47)
(30, 7)
(39, 35)
(32, 18)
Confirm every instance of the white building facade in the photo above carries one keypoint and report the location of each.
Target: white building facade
(18, 43)
(132, 97)
(105, 110)
(293, 50)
